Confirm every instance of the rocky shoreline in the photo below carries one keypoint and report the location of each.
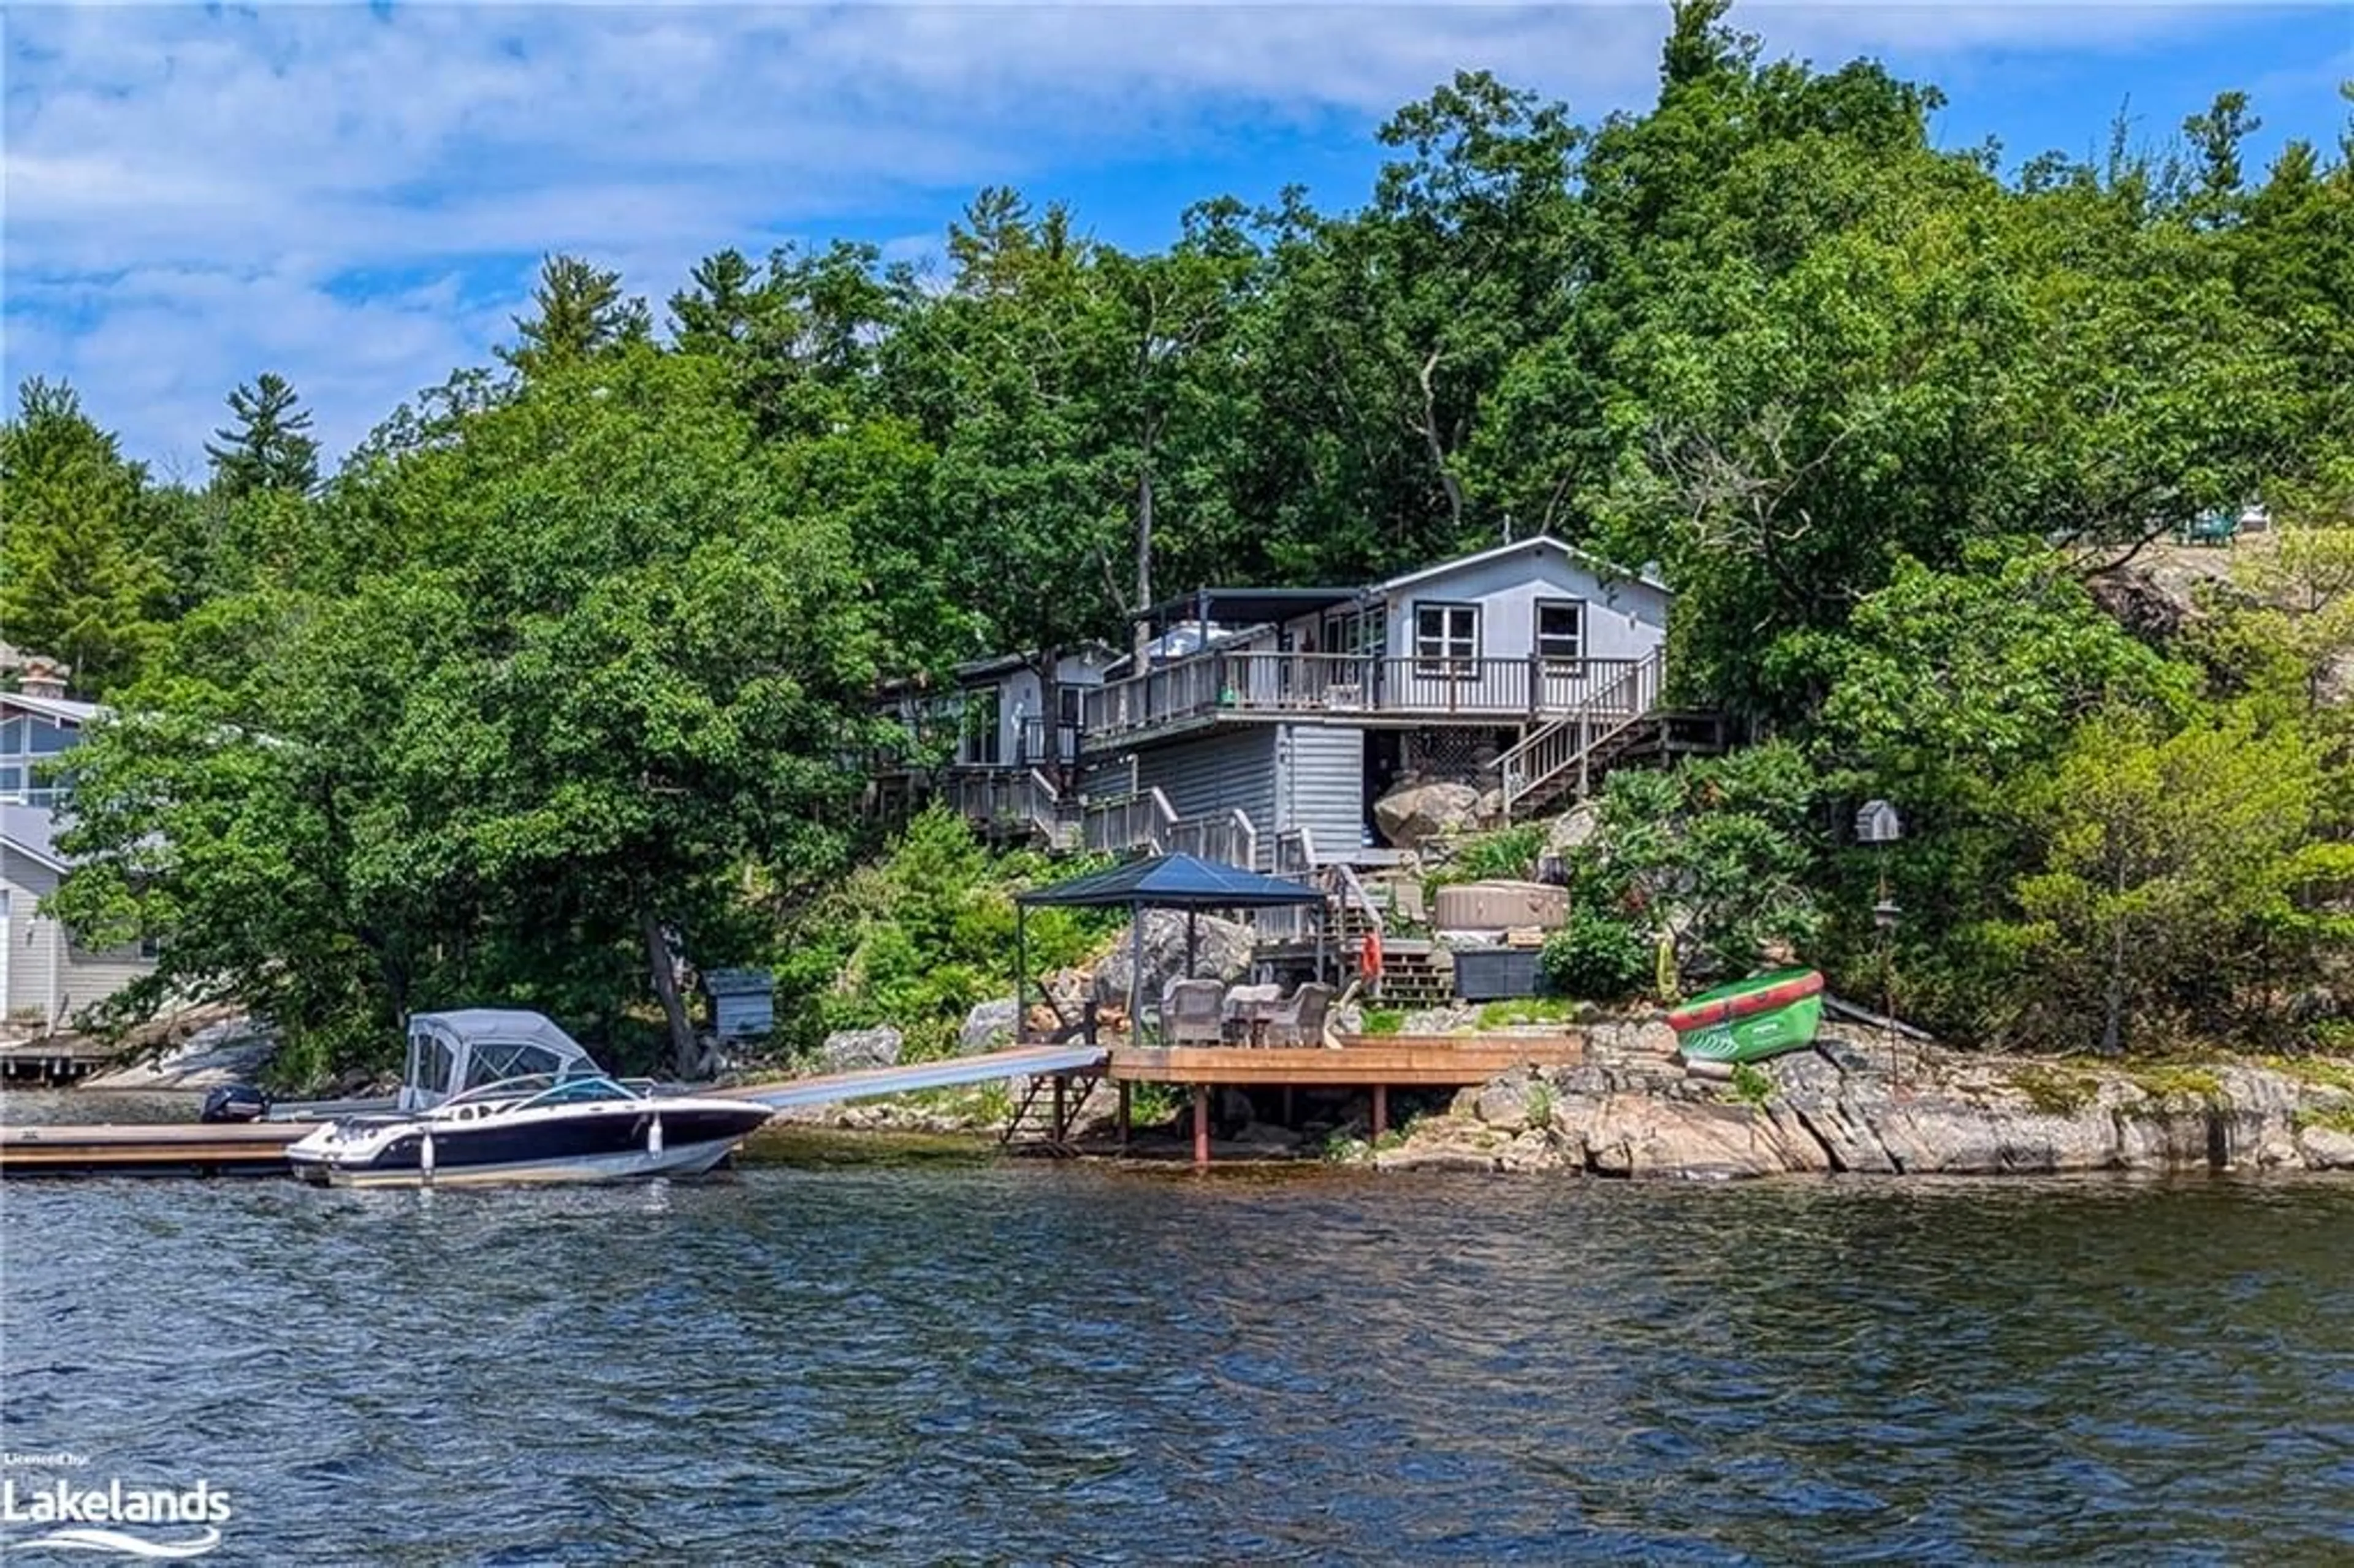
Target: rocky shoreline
(1874, 1106)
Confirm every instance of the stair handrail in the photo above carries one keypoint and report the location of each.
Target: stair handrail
(1352, 889)
(1557, 745)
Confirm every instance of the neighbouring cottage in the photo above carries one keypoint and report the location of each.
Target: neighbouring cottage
(46, 976)
(1263, 723)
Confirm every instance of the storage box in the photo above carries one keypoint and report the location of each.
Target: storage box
(1498, 974)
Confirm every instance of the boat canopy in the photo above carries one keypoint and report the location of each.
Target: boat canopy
(452, 1053)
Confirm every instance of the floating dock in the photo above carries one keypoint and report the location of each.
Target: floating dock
(163, 1148)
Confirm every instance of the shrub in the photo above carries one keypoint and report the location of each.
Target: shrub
(1510, 854)
(1597, 956)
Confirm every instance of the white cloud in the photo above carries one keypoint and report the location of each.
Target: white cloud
(193, 194)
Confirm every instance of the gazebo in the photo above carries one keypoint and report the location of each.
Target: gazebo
(1155, 882)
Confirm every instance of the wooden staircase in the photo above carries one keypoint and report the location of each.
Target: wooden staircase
(1568, 756)
(1042, 1121)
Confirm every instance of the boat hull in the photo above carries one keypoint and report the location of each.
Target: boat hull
(1750, 1020)
(612, 1143)
(692, 1160)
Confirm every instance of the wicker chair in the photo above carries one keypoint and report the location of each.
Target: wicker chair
(1301, 1020)
(1192, 1012)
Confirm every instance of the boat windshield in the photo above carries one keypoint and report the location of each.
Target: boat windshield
(582, 1090)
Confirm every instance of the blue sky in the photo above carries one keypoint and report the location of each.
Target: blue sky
(356, 196)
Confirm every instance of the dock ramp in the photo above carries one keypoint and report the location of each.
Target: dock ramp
(830, 1088)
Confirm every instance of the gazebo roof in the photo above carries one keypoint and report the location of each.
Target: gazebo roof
(1174, 882)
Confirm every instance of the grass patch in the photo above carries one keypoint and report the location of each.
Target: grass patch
(1154, 1105)
(2316, 1070)
(2174, 1081)
(1384, 1020)
(1751, 1085)
(1527, 1009)
(1540, 1105)
(2055, 1091)
(2336, 1117)
(1508, 854)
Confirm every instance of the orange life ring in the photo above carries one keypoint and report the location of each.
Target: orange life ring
(1369, 956)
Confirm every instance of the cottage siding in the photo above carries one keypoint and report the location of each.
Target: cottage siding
(49, 977)
(1022, 695)
(1624, 618)
(1322, 783)
(1203, 775)
(33, 941)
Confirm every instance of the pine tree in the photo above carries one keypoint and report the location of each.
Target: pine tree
(75, 581)
(269, 446)
(582, 312)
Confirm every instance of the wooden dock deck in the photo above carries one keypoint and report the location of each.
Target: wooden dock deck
(1376, 1063)
(161, 1148)
(1401, 1061)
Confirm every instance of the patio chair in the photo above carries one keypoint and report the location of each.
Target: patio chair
(1246, 1010)
(1192, 1012)
(1301, 1020)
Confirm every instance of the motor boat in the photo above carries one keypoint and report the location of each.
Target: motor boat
(492, 1096)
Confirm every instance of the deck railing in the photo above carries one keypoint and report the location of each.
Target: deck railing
(1542, 762)
(1227, 837)
(1141, 821)
(1017, 798)
(1265, 681)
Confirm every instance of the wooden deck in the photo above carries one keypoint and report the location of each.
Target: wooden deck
(1399, 1060)
(1376, 1063)
(177, 1148)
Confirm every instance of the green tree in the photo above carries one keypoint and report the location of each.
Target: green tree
(631, 665)
(268, 446)
(2177, 874)
(76, 582)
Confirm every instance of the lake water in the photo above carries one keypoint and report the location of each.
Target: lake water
(1034, 1363)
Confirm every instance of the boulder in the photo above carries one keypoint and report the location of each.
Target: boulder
(1443, 1143)
(1513, 1102)
(846, 1050)
(1222, 952)
(1637, 1135)
(1420, 813)
(1574, 829)
(988, 1027)
(2327, 1148)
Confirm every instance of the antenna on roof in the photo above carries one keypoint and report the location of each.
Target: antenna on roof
(1508, 528)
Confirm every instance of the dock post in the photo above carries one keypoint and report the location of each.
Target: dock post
(1062, 1118)
(1381, 1109)
(1202, 1125)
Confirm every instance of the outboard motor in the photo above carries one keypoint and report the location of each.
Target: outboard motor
(234, 1102)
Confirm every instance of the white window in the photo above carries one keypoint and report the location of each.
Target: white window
(1445, 639)
(1560, 630)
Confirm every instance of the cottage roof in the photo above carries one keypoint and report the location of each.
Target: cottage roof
(1249, 606)
(1537, 545)
(1174, 882)
(32, 831)
(64, 708)
(1093, 650)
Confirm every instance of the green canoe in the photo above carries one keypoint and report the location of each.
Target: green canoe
(1751, 1019)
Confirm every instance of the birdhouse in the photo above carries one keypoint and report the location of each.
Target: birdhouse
(1878, 823)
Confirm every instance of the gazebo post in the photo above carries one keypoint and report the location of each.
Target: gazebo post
(1020, 969)
(1135, 972)
(1192, 917)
